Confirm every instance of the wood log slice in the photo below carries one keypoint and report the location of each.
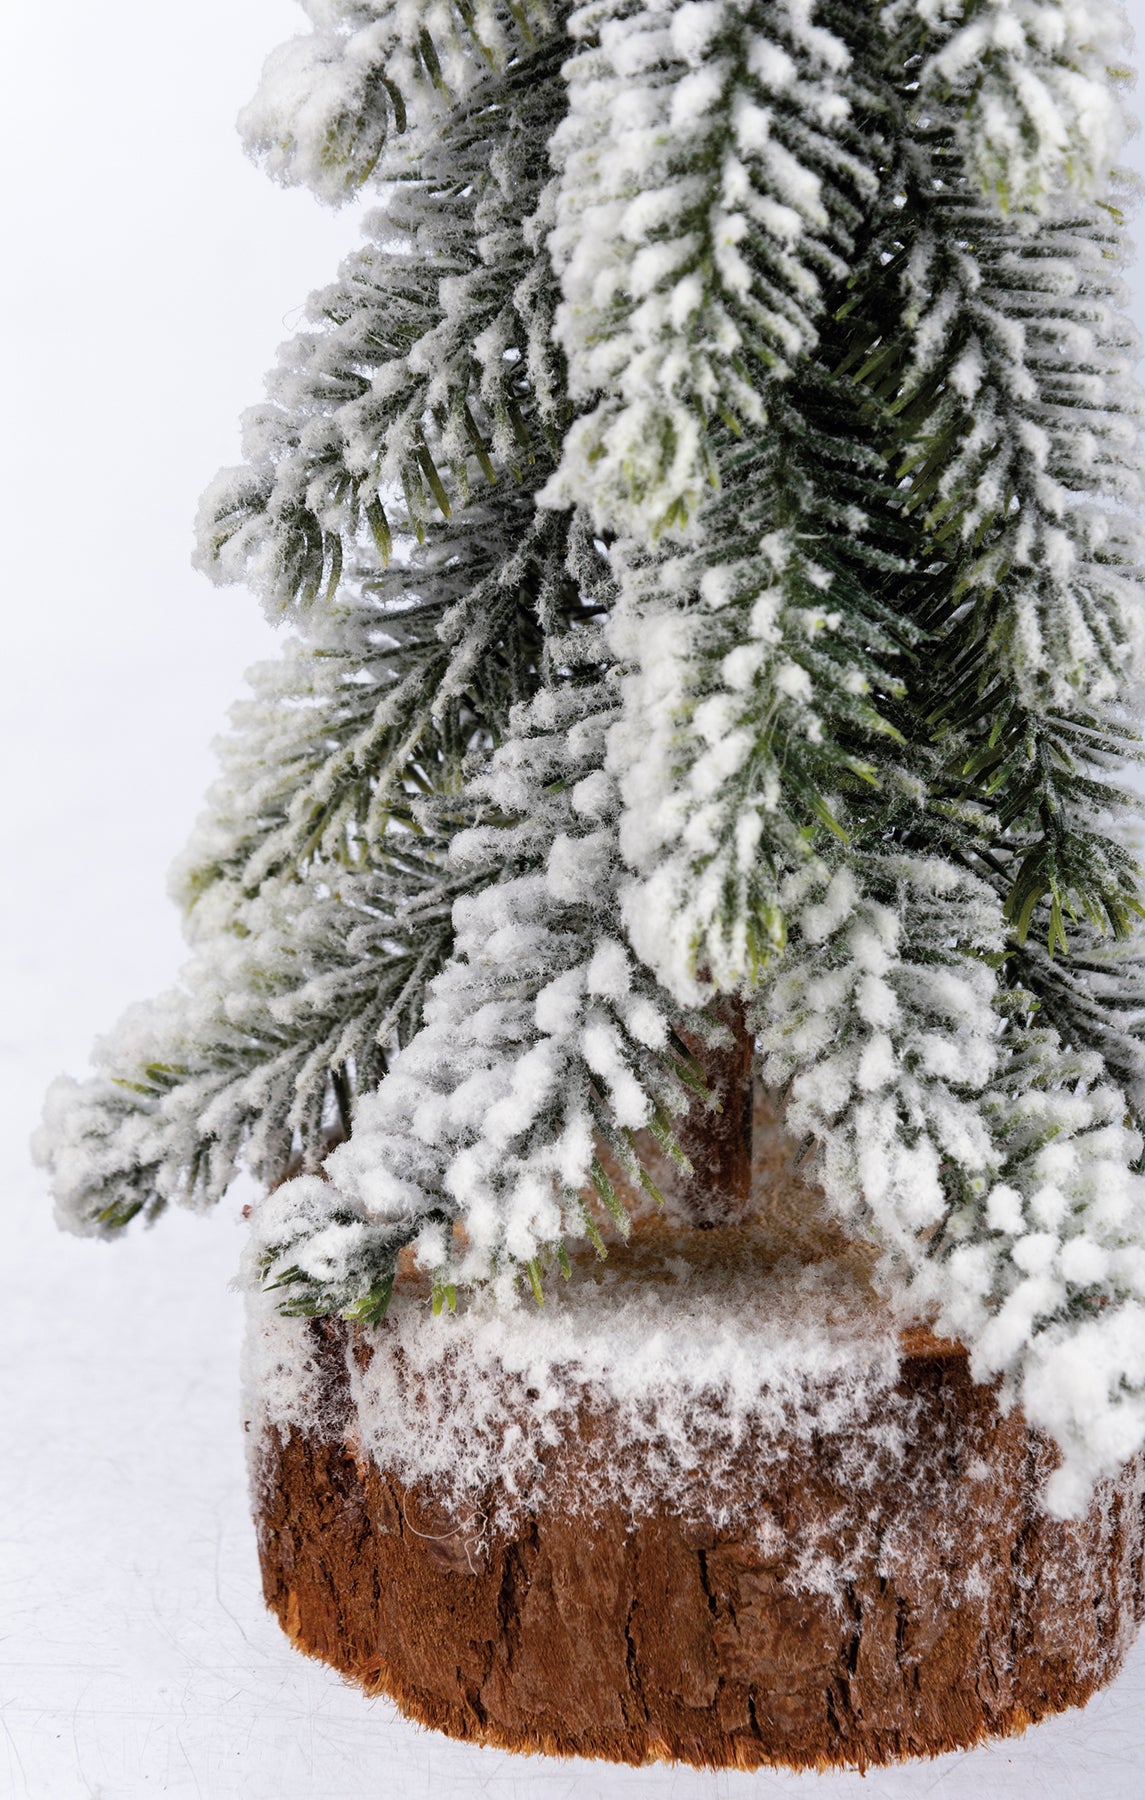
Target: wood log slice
(845, 1580)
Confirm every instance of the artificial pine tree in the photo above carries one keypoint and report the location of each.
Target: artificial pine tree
(706, 515)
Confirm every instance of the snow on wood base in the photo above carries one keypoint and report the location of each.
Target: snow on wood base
(820, 1621)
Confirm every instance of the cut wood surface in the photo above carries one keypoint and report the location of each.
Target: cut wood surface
(588, 1636)
(847, 1596)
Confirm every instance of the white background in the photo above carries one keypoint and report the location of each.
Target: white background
(146, 275)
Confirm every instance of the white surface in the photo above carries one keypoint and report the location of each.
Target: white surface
(135, 1656)
(148, 276)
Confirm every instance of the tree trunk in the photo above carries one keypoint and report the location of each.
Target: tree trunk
(716, 1133)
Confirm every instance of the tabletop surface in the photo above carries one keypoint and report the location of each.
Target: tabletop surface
(135, 1654)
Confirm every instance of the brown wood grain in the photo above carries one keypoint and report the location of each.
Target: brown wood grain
(588, 1633)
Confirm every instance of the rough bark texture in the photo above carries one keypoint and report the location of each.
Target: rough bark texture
(591, 1634)
(716, 1134)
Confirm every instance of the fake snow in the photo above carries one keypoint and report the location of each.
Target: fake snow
(711, 1380)
(680, 1355)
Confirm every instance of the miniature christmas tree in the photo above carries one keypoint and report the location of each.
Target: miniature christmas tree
(705, 514)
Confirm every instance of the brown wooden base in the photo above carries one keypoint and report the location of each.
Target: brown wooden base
(962, 1610)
